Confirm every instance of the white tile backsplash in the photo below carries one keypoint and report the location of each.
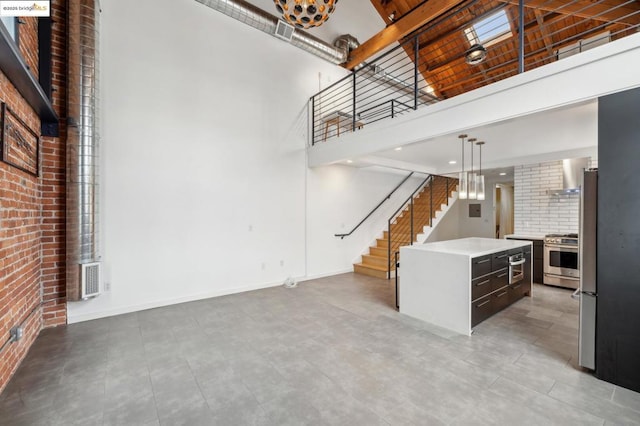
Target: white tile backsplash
(536, 211)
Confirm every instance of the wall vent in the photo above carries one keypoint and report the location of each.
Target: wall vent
(90, 279)
(284, 30)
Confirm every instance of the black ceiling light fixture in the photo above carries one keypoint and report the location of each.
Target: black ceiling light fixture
(305, 13)
(476, 54)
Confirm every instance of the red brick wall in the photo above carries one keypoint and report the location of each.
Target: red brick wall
(53, 184)
(32, 213)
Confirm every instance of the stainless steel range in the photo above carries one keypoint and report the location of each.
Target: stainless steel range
(561, 266)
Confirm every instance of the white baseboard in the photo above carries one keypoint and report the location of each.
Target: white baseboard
(73, 319)
(328, 274)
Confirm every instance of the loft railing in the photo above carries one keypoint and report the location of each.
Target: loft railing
(429, 65)
(400, 236)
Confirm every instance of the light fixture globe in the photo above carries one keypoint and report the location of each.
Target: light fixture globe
(476, 54)
(305, 13)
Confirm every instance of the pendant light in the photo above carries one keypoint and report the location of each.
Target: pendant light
(305, 13)
(471, 177)
(462, 178)
(480, 177)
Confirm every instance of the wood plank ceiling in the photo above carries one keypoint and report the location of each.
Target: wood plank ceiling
(549, 26)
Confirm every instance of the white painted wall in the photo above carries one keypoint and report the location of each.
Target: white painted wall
(338, 198)
(448, 228)
(457, 223)
(203, 188)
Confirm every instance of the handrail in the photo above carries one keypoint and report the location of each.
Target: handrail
(411, 196)
(375, 208)
(430, 180)
(565, 29)
(391, 101)
(410, 199)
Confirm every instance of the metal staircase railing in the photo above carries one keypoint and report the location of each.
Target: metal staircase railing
(375, 208)
(430, 181)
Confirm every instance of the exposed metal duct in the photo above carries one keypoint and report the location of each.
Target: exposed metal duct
(377, 73)
(337, 54)
(258, 18)
(82, 141)
(346, 42)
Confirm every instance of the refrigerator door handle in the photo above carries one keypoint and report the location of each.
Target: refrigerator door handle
(576, 294)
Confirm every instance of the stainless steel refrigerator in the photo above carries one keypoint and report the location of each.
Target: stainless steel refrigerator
(588, 290)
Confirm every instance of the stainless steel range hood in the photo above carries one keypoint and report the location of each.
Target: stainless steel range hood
(572, 170)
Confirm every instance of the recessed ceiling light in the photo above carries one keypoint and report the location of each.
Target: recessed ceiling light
(398, 148)
(452, 162)
(503, 174)
(349, 161)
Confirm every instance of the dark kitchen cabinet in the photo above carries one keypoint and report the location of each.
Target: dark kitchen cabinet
(499, 279)
(537, 258)
(480, 287)
(490, 289)
(480, 266)
(527, 282)
(499, 260)
(481, 309)
(618, 241)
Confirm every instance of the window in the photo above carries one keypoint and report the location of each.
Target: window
(11, 25)
(490, 30)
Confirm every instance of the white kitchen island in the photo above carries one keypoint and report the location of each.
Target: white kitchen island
(456, 284)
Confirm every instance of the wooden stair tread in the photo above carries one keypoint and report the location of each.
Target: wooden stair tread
(376, 267)
(426, 204)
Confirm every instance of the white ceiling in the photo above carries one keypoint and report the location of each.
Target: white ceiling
(546, 136)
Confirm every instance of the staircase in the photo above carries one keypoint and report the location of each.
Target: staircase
(426, 207)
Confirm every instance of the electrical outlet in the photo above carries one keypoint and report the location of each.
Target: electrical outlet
(264, 266)
(16, 333)
(107, 286)
(282, 263)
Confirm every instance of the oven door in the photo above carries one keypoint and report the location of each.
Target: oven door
(516, 270)
(561, 261)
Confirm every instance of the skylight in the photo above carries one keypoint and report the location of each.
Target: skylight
(490, 30)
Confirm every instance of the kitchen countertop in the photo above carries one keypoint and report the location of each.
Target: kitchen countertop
(472, 247)
(526, 236)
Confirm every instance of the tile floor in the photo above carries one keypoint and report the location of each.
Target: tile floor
(330, 352)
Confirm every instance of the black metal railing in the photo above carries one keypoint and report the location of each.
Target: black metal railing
(388, 196)
(396, 264)
(430, 65)
(401, 237)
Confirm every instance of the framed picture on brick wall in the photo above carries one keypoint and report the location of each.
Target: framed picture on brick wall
(19, 144)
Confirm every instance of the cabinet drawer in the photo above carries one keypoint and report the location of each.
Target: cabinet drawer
(500, 299)
(516, 251)
(516, 292)
(480, 266)
(499, 260)
(499, 279)
(480, 287)
(481, 309)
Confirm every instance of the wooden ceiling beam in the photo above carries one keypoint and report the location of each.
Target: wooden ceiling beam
(421, 15)
(384, 13)
(604, 11)
(505, 67)
(546, 38)
(531, 26)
